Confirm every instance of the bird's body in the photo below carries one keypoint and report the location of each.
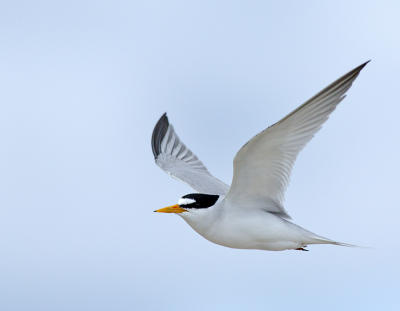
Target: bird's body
(238, 228)
(249, 214)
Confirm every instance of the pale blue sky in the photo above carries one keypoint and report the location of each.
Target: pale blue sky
(82, 84)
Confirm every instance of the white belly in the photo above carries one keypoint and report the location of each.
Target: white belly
(253, 230)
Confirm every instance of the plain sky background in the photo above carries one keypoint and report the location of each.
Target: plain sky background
(82, 84)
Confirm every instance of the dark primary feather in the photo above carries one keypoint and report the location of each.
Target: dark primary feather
(158, 134)
(330, 90)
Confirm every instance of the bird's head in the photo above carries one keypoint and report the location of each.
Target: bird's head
(191, 203)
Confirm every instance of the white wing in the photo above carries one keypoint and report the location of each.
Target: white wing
(263, 165)
(176, 159)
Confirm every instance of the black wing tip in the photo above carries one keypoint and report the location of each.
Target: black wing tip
(360, 67)
(364, 64)
(350, 76)
(158, 134)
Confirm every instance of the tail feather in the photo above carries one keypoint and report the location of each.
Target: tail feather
(322, 240)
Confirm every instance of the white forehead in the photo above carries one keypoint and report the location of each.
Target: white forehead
(184, 201)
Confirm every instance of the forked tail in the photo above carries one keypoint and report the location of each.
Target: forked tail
(322, 240)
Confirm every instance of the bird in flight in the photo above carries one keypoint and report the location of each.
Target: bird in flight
(249, 214)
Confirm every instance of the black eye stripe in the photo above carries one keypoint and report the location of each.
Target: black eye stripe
(201, 200)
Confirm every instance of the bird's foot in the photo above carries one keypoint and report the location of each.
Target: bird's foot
(301, 249)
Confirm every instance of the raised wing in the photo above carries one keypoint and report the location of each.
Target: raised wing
(177, 160)
(263, 165)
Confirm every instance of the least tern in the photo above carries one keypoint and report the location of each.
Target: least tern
(249, 214)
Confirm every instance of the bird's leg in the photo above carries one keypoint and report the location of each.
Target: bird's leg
(301, 249)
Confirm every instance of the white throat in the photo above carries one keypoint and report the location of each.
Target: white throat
(202, 219)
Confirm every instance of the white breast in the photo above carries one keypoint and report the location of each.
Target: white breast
(245, 229)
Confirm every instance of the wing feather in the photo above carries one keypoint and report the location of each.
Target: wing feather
(179, 161)
(262, 167)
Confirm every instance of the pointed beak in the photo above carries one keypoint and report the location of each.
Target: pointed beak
(171, 209)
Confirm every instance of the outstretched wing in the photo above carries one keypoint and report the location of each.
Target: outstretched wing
(176, 159)
(263, 165)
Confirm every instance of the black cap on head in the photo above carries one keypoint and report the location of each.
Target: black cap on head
(198, 200)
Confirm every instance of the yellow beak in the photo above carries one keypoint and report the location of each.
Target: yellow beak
(171, 209)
